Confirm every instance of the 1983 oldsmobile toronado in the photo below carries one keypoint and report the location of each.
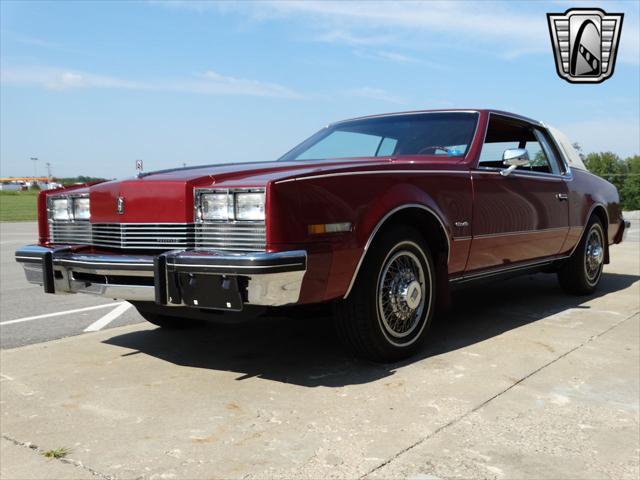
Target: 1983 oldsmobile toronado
(378, 216)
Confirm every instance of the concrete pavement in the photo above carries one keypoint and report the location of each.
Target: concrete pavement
(519, 380)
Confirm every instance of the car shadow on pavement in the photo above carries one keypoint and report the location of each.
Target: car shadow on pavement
(305, 351)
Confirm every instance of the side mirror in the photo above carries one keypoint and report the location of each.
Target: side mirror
(514, 158)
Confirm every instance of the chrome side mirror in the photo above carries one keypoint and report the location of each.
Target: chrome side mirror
(514, 158)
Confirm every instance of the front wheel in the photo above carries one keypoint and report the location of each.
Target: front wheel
(581, 274)
(387, 314)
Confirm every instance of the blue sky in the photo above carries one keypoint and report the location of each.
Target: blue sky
(92, 86)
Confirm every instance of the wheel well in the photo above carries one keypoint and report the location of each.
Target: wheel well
(428, 225)
(436, 238)
(601, 213)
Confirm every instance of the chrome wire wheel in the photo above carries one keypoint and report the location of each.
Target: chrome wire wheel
(403, 294)
(594, 254)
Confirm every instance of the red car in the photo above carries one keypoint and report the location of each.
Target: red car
(378, 216)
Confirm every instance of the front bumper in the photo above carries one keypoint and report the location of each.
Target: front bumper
(194, 278)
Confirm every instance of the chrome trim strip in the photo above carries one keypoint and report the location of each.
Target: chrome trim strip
(372, 172)
(521, 232)
(379, 225)
(211, 266)
(22, 257)
(98, 263)
(519, 173)
(498, 271)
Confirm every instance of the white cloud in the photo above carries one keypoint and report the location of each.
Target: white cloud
(398, 57)
(353, 39)
(209, 83)
(375, 94)
(509, 29)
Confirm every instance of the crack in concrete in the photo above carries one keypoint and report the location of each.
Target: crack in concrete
(69, 461)
(489, 400)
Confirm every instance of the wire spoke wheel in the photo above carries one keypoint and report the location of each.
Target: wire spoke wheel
(390, 310)
(594, 254)
(402, 294)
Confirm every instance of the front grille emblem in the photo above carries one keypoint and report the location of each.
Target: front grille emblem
(120, 205)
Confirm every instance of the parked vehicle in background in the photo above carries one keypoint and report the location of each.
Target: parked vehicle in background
(378, 216)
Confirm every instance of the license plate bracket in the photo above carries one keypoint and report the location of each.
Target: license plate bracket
(201, 290)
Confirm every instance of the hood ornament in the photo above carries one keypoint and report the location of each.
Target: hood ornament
(120, 205)
(139, 168)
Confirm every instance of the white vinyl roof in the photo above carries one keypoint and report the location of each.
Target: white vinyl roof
(570, 153)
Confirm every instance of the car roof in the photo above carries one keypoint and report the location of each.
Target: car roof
(447, 110)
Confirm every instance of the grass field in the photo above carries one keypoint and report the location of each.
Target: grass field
(18, 206)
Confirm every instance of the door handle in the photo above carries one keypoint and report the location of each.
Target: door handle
(562, 196)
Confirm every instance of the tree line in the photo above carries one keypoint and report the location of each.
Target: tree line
(623, 173)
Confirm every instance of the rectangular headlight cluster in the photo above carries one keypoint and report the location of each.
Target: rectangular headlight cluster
(224, 206)
(69, 208)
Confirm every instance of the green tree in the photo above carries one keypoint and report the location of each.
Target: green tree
(630, 192)
(607, 165)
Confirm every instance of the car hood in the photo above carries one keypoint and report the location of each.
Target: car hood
(256, 172)
(166, 196)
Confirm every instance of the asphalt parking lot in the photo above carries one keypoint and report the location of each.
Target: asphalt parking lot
(28, 316)
(518, 381)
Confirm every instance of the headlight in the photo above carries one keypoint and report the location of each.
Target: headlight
(250, 206)
(214, 206)
(60, 209)
(81, 209)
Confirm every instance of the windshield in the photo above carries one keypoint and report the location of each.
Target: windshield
(446, 134)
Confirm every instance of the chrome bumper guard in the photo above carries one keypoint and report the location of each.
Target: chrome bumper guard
(193, 278)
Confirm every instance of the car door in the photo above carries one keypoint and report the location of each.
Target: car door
(522, 217)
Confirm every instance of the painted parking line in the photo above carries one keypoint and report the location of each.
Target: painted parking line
(108, 318)
(57, 314)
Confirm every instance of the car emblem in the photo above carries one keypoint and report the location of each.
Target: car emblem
(585, 43)
(120, 205)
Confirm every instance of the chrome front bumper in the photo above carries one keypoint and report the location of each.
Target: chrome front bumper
(193, 278)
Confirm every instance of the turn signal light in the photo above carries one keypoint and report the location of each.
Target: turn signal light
(322, 228)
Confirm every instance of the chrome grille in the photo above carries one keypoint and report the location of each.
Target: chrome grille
(70, 232)
(231, 236)
(237, 236)
(157, 236)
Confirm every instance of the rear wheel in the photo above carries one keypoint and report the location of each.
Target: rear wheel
(581, 274)
(387, 314)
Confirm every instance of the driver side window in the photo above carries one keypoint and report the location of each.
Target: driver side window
(506, 133)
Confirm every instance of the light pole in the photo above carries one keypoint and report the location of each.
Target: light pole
(48, 164)
(35, 166)
(35, 171)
